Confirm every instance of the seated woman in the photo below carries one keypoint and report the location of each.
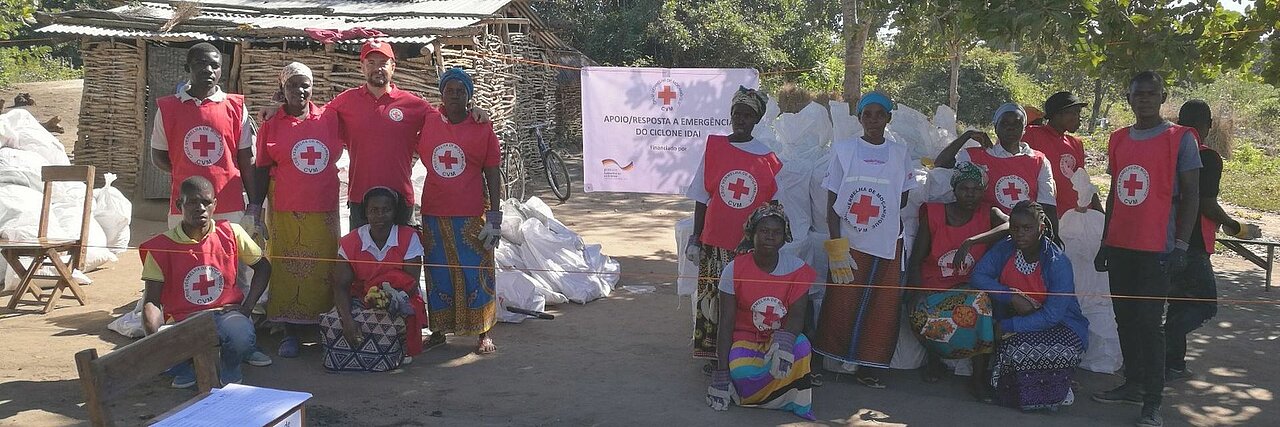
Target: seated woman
(762, 307)
(382, 251)
(952, 320)
(1041, 333)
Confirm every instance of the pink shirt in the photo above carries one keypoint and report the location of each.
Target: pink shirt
(455, 156)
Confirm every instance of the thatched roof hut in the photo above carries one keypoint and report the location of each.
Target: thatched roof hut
(133, 54)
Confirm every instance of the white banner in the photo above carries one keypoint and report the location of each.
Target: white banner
(644, 129)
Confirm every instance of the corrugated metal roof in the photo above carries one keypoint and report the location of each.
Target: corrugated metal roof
(364, 8)
(85, 30)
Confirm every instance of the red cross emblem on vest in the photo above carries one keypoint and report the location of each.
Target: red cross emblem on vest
(738, 189)
(767, 313)
(203, 285)
(1132, 185)
(310, 156)
(448, 160)
(1011, 189)
(203, 146)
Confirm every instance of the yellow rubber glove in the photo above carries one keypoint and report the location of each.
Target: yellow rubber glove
(838, 259)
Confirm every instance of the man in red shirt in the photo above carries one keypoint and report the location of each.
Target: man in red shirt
(1063, 150)
(380, 125)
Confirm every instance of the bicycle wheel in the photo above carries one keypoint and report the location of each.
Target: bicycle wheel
(513, 173)
(557, 174)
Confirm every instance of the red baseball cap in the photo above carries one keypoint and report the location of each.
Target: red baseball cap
(377, 46)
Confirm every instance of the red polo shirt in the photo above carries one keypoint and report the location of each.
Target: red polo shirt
(381, 135)
(455, 156)
(1065, 154)
(301, 151)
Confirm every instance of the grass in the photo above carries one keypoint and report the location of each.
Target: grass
(33, 64)
(1250, 179)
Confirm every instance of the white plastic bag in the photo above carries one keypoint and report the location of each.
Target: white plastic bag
(818, 206)
(687, 271)
(556, 254)
(129, 325)
(19, 129)
(517, 289)
(909, 353)
(113, 212)
(1081, 233)
(512, 217)
(344, 213)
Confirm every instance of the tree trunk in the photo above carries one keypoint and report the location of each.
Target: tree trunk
(953, 87)
(1097, 105)
(855, 43)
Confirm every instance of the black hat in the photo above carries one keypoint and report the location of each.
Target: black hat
(1061, 101)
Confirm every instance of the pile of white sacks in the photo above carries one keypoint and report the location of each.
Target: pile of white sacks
(26, 147)
(539, 260)
(803, 140)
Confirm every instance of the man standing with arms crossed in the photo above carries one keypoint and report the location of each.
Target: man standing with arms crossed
(1151, 210)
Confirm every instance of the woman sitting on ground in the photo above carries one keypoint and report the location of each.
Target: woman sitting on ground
(762, 307)
(1041, 333)
(952, 320)
(382, 251)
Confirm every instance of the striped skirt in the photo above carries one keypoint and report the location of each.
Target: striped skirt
(860, 324)
(749, 364)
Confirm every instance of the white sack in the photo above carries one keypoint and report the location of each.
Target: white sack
(843, 123)
(67, 208)
(113, 212)
(517, 289)
(512, 217)
(687, 271)
(129, 325)
(818, 207)
(909, 354)
(344, 213)
(818, 260)
(607, 270)
(19, 129)
(1081, 233)
(556, 254)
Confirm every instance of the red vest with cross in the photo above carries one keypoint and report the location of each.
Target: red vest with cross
(1009, 179)
(1065, 154)
(1142, 179)
(763, 298)
(198, 276)
(203, 141)
(369, 272)
(738, 182)
(937, 271)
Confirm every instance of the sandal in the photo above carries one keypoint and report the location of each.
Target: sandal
(288, 347)
(815, 380)
(435, 340)
(869, 381)
(485, 346)
(708, 368)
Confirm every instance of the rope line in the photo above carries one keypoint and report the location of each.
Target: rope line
(717, 278)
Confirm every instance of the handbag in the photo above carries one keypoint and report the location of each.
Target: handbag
(382, 348)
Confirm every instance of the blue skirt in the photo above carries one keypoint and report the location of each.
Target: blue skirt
(460, 294)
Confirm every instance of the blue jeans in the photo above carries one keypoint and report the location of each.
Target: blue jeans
(238, 339)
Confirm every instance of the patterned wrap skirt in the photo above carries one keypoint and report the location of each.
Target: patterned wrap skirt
(860, 324)
(705, 322)
(1033, 370)
(460, 294)
(300, 289)
(954, 324)
(749, 364)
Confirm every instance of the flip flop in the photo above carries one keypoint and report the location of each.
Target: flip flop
(815, 380)
(433, 342)
(870, 382)
(486, 347)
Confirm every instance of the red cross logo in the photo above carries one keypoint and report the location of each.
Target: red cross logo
(864, 210)
(1134, 185)
(203, 283)
(739, 188)
(767, 312)
(667, 95)
(1012, 191)
(771, 317)
(448, 160)
(204, 145)
(311, 156)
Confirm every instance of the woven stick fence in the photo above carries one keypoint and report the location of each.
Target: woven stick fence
(111, 110)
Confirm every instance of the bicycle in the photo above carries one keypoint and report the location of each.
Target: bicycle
(553, 166)
(512, 168)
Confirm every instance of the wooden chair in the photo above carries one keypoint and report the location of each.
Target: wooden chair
(108, 377)
(48, 252)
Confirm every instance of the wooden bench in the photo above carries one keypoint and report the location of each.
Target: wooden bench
(108, 377)
(1238, 246)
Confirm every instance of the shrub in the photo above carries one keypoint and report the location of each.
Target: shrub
(33, 64)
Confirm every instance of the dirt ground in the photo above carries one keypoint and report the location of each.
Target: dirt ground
(623, 360)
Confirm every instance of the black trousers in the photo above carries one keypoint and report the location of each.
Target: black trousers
(1185, 316)
(1139, 320)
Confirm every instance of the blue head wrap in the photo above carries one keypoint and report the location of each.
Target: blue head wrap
(1009, 108)
(874, 98)
(457, 73)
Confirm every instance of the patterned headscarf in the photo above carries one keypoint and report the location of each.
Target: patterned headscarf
(771, 209)
(751, 98)
(969, 171)
(293, 69)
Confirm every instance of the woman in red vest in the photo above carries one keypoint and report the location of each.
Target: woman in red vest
(1041, 332)
(762, 307)
(952, 320)
(297, 148)
(737, 175)
(1016, 171)
(384, 250)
